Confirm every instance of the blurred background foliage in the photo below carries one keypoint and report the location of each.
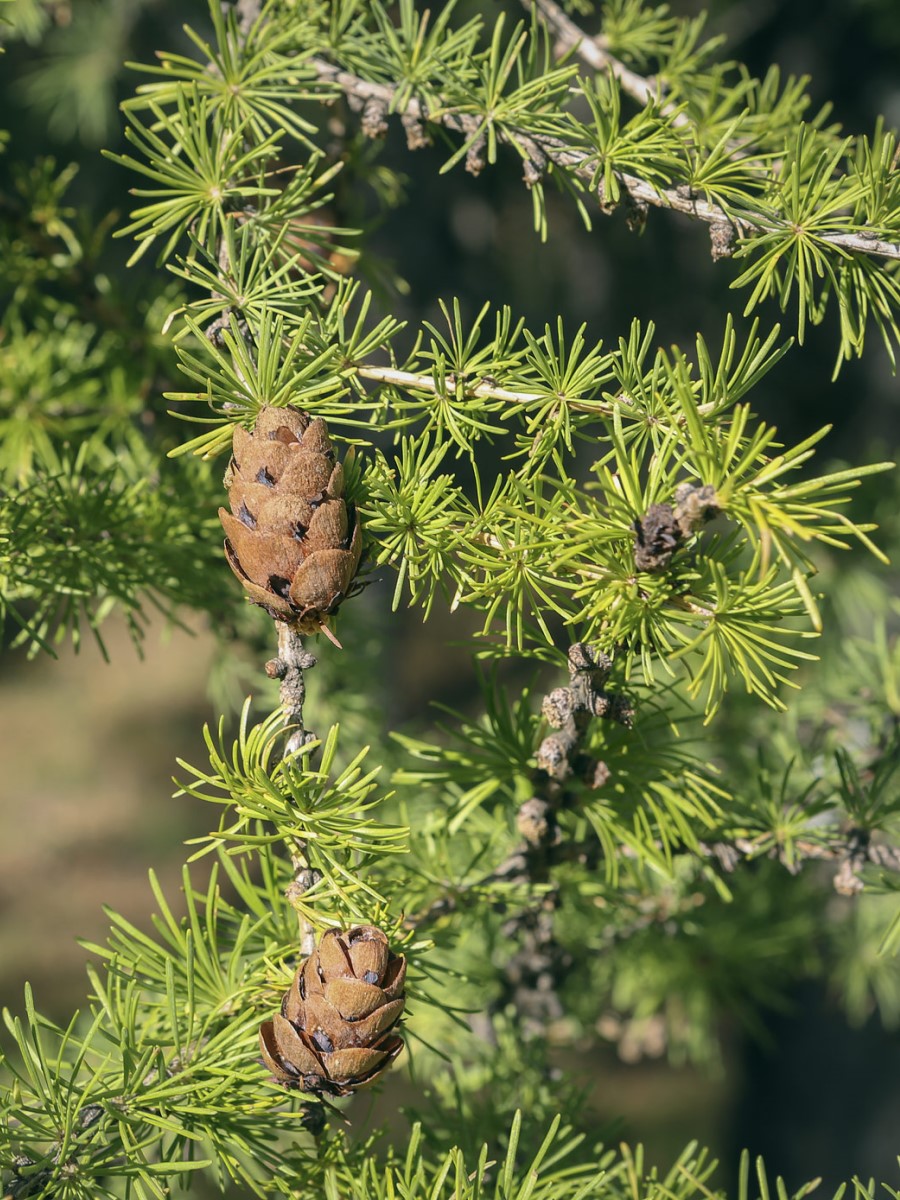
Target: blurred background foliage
(815, 1086)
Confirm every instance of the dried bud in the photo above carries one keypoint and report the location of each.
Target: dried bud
(534, 168)
(558, 707)
(552, 756)
(657, 538)
(291, 539)
(475, 160)
(721, 240)
(334, 1033)
(533, 821)
(298, 739)
(588, 665)
(614, 706)
(694, 505)
(417, 136)
(597, 774)
(580, 657)
(374, 118)
(636, 213)
(621, 709)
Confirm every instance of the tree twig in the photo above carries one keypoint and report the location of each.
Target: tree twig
(538, 964)
(594, 54)
(410, 381)
(487, 389)
(293, 659)
(248, 12)
(542, 147)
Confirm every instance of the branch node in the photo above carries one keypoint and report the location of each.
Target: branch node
(298, 739)
(475, 159)
(636, 211)
(558, 707)
(694, 506)
(417, 135)
(374, 118)
(534, 167)
(535, 822)
(553, 756)
(657, 535)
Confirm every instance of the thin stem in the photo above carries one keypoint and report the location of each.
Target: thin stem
(412, 381)
(293, 659)
(594, 54)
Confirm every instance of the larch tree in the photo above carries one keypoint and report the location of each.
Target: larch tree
(681, 629)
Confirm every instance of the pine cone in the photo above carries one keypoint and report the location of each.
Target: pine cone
(333, 1035)
(290, 538)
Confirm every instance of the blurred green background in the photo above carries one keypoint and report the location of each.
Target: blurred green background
(88, 748)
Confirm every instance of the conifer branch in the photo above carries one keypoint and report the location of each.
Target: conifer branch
(541, 148)
(539, 964)
(486, 389)
(483, 389)
(593, 52)
(572, 851)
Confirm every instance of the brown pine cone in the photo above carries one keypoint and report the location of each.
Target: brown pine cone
(333, 1035)
(290, 538)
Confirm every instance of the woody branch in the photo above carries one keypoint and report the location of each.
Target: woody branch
(542, 148)
(593, 53)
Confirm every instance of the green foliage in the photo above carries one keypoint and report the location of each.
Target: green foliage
(732, 601)
(143, 1087)
(328, 821)
(79, 543)
(504, 473)
(546, 1175)
(91, 521)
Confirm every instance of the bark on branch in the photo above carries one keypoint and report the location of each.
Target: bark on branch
(592, 52)
(486, 389)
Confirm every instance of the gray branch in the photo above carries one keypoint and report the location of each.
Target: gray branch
(248, 12)
(541, 148)
(288, 667)
(593, 52)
